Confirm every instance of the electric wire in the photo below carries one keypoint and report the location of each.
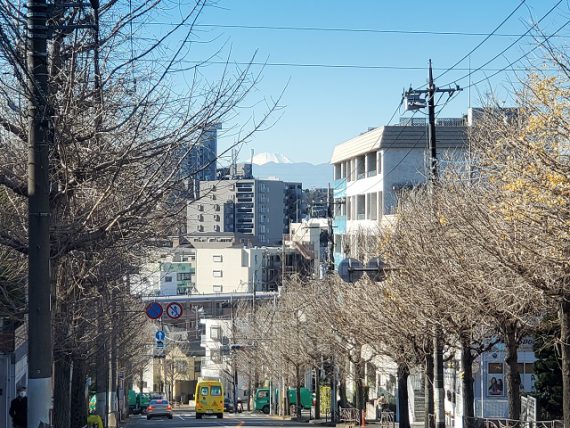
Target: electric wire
(340, 29)
(512, 44)
(519, 58)
(482, 41)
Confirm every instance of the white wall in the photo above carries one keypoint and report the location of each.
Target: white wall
(239, 267)
(234, 276)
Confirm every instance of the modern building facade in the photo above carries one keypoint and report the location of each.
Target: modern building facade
(294, 203)
(252, 207)
(371, 169)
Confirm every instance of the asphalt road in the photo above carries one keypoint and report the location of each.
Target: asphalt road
(187, 419)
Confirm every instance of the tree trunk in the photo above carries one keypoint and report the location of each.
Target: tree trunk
(468, 394)
(78, 399)
(439, 393)
(342, 392)
(513, 380)
(317, 393)
(62, 369)
(299, 405)
(428, 390)
(360, 402)
(403, 403)
(565, 351)
(101, 367)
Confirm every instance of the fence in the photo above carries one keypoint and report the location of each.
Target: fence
(510, 423)
(387, 419)
(349, 414)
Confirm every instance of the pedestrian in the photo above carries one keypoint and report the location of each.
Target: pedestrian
(380, 405)
(19, 409)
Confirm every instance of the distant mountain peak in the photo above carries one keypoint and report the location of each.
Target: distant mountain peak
(266, 157)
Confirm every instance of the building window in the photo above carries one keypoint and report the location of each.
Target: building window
(217, 259)
(216, 207)
(200, 207)
(360, 207)
(218, 288)
(371, 164)
(216, 228)
(337, 171)
(167, 279)
(216, 217)
(183, 276)
(360, 167)
(217, 274)
(200, 217)
(200, 228)
(372, 206)
(380, 205)
(216, 332)
(197, 366)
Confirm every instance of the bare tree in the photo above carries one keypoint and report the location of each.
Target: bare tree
(119, 132)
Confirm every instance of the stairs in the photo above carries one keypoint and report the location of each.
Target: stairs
(419, 406)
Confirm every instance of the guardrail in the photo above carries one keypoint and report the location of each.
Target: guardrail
(349, 414)
(510, 423)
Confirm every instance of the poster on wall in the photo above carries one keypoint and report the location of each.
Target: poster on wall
(495, 380)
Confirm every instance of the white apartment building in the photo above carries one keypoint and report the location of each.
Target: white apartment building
(234, 270)
(370, 170)
(216, 363)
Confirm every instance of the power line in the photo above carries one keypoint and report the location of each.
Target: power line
(521, 57)
(197, 64)
(482, 41)
(339, 29)
(512, 44)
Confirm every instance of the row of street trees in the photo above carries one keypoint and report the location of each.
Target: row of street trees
(482, 256)
(121, 121)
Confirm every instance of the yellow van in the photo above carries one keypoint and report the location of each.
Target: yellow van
(209, 398)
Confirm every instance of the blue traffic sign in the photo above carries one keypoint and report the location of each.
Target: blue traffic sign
(154, 310)
(159, 335)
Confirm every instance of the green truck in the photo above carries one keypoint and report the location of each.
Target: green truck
(261, 401)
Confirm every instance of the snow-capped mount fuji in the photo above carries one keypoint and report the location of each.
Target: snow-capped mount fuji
(275, 166)
(266, 157)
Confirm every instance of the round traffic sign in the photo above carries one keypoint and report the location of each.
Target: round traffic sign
(159, 335)
(350, 270)
(174, 310)
(153, 310)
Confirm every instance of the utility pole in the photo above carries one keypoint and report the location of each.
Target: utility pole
(439, 393)
(40, 357)
(415, 102)
(330, 267)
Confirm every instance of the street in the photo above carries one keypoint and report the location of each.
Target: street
(187, 418)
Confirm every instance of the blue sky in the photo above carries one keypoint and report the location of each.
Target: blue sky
(324, 106)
